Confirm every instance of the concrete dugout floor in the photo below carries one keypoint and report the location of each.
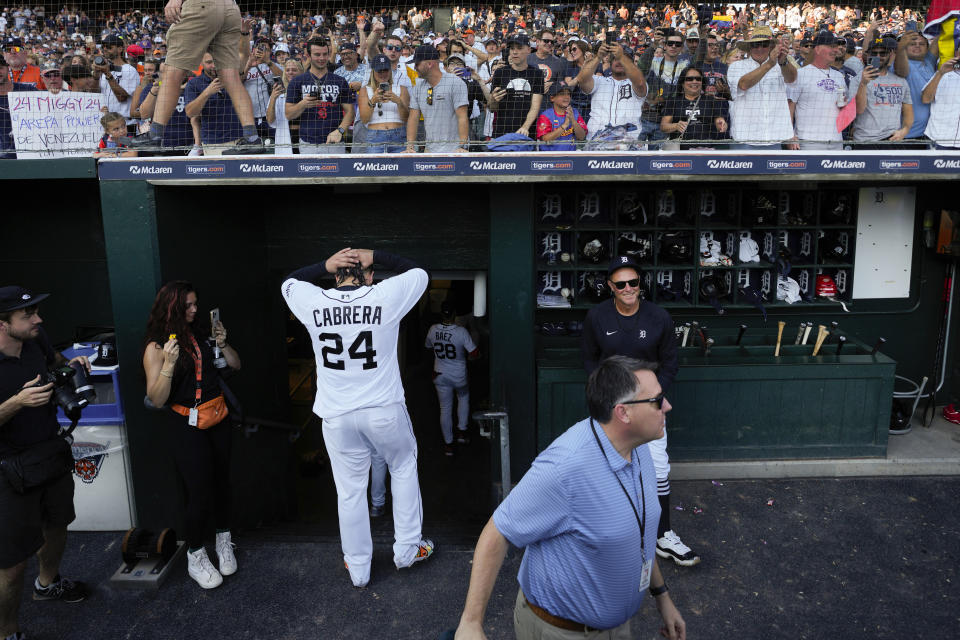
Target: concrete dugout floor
(828, 558)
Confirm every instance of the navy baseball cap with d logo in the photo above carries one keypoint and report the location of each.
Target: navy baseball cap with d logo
(621, 262)
(13, 298)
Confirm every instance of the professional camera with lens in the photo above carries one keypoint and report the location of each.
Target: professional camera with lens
(72, 392)
(100, 60)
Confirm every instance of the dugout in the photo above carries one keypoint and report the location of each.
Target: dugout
(125, 234)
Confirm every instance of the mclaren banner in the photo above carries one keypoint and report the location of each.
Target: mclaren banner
(527, 166)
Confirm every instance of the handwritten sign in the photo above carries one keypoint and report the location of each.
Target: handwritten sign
(55, 126)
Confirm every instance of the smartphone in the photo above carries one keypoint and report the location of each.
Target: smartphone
(214, 317)
(384, 87)
(911, 26)
(610, 37)
(876, 63)
(506, 55)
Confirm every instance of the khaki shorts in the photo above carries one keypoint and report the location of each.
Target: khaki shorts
(205, 25)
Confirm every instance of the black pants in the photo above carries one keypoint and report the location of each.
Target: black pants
(203, 460)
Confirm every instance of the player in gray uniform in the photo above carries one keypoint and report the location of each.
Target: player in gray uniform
(452, 346)
(359, 394)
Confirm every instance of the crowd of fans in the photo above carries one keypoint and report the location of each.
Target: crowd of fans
(607, 77)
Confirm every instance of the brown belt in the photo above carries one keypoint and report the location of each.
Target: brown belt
(557, 621)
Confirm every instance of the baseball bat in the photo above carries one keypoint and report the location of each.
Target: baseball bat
(876, 347)
(822, 334)
(841, 340)
(695, 328)
(833, 328)
(686, 334)
(806, 332)
(743, 328)
(709, 342)
(800, 332)
(780, 326)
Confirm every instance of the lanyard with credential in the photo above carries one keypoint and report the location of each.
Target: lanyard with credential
(198, 366)
(641, 522)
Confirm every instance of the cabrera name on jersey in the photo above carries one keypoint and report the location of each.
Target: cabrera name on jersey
(450, 343)
(354, 337)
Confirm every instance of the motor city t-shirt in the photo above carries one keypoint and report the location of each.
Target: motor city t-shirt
(317, 122)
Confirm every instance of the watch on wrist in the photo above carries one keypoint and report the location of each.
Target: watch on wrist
(658, 591)
(341, 130)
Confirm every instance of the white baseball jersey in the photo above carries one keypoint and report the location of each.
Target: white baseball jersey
(354, 336)
(450, 343)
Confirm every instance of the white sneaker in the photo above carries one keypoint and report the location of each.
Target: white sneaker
(228, 561)
(202, 570)
(670, 546)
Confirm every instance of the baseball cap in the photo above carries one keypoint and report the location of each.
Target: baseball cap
(348, 46)
(281, 46)
(12, 41)
(455, 56)
(884, 41)
(49, 66)
(447, 308)
(620, 262)
(14, 297)
(557, 87)
(380, 63)
(521, 39)
(824, 38)
(425, 52)
(469, 32)
(111, 40)
(134, 50)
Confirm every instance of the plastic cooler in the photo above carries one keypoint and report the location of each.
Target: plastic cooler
(103, 498)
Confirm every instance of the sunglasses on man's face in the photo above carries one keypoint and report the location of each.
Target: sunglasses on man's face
(674, 43)
(656, 402)
(391, 47)
(547, 41)
(620, 284)
(760, 45)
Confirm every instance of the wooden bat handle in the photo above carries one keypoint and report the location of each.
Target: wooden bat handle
(780, 326)
(822, 334)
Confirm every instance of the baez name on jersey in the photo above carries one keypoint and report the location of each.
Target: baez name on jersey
(359, 314)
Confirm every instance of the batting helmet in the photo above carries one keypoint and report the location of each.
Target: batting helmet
(829, 247)
(639, 250)
(712, 289)
(630, 209)
(593, 287)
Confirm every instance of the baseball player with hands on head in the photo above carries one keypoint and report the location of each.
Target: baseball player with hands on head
(627, 325)
(452, 346)
(360, 398)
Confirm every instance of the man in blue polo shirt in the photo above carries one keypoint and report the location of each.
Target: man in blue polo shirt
(206, 97)
(322, 100)
(587, 514)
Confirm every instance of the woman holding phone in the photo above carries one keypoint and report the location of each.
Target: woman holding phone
(384, 107)
(182, 379)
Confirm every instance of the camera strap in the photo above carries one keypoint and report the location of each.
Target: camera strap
(198, 366)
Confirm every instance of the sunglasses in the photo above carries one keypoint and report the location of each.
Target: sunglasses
(620, 284)
(806, 46)
(391, 47)
(430, 96)
(656, 402)
(878, 52)
(693, 79)
(547, 41)
(51, 74)
(760, 45)
(674, 43)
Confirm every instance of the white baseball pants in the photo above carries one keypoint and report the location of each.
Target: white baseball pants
(661, 462)
(350, 439)
(446, 386)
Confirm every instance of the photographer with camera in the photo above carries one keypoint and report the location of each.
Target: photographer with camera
(35, 510)
(117, 79)
(187, 388)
